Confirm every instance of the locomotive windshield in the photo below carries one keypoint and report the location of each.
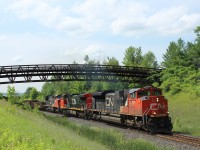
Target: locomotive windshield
(157, 92)
(143, 93)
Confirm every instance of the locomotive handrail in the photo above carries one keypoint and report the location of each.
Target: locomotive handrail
(74, 72)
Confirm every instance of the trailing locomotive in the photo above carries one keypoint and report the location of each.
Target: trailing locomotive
(142, 108)
(58, 103)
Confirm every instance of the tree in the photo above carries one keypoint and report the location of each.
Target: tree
(90, 61)
(111, 61)
(111, 85)
(175, 55)
(26, 94)
(49, 88)
(12, 96)
(133, 56)
(193, 53)
(1, 95)
(34, 94)
(182, 67)
(149, 60)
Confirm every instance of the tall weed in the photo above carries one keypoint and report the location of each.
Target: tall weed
(184, 109)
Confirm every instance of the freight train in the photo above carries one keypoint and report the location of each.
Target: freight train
(142, 108)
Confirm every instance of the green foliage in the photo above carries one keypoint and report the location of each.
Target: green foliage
(26, 95)
(90, 61)
(34, 94)
(194, 50)
(12, 96)
(182, 72)
(180, 79)
(149, 60)
(31, 93)
(78, 87)
(1, 95)
(49, 88)
(111, 61)
(133, 56)
(175, 55)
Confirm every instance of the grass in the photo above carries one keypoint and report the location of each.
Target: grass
(185, 112)
(24, 130)
(110, 138)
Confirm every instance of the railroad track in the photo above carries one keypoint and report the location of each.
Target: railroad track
(194, 141)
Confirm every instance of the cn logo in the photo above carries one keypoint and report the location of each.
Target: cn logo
(154, 106)
(109, 102)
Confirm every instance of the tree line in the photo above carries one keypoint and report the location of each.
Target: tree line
(181, 72)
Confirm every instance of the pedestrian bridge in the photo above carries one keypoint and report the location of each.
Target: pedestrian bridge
(75, 72)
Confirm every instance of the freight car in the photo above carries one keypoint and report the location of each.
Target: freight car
(34, 104)
(142, 108)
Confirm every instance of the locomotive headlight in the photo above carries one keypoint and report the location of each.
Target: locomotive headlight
(157, 100)
(154, 112)
(168, 112)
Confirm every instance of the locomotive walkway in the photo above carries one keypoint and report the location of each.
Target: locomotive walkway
(74, 72)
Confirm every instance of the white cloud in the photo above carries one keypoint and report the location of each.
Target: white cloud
(18, 59)
(162, 22)
(93, 49)
(118, 17)
(78, 53)
(36, 9)
(2, 37)
(173, 21)
(52, 16)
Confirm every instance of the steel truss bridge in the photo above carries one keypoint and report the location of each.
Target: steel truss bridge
(74, 72)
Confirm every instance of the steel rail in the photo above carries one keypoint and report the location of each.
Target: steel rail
(183, 139)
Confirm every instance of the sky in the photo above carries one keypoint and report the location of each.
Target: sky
(61, 31)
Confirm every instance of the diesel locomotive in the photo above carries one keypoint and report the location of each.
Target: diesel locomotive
(142, 108)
